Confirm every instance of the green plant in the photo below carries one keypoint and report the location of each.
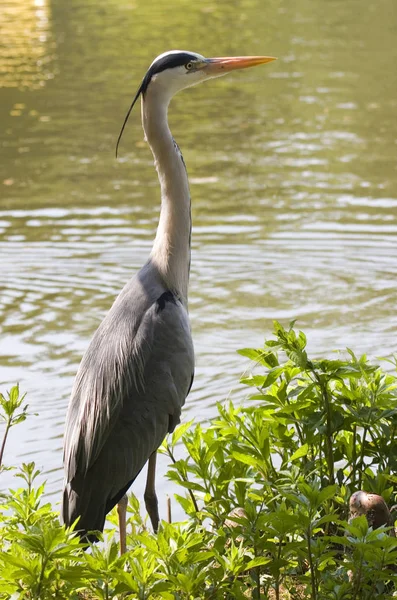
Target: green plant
(265, 489)
(11, 413)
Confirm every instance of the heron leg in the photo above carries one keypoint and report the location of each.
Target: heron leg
(122, 512)
(151, 503)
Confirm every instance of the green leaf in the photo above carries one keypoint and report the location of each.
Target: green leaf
(247, 459)
(302, 451)
(263, 357)
(263, 381)
(257, 562)
(180, 431)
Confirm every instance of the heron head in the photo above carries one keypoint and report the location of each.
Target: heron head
(178, 69)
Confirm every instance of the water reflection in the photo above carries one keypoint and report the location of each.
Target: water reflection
(26, 49)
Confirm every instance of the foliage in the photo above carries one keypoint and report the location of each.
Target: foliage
(265, 489)
(12, 412)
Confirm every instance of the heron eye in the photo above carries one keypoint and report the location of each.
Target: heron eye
(189, 66)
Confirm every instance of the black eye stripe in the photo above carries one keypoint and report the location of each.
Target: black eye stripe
(166, 62)
(169, 61)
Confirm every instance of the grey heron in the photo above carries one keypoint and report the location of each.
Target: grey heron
(138, 369)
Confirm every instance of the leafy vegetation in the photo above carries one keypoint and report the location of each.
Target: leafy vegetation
(265, 488)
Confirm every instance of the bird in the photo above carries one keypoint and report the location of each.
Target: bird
(377, 513)
(374, 508)
(139, 366)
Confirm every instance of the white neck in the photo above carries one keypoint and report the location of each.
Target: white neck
(171, 248)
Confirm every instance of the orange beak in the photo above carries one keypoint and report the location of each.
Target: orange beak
(230, 63)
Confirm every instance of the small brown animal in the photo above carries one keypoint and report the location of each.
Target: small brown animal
(373, 507)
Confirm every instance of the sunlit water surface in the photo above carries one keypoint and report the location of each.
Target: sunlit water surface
(293, 179)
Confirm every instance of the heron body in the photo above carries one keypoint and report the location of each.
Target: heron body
(128, 394)
(138, 369)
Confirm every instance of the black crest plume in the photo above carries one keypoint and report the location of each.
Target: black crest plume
(140, 90)
(169, 61)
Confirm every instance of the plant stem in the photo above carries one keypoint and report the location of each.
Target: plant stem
(299, 431)
(257, 590)
(357, 581)
(361, 461)
(277, 586)
(375, 438)
(354, 457)
(185, 479)
(8, 426)
(41, 577)
(296, 424)
(320, 457)
(311, 565)
(328, 437)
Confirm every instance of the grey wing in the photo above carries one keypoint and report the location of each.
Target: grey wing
(129, 392)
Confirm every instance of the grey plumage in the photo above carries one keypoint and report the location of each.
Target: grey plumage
(128, 393)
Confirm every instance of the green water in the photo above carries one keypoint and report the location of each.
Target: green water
(293, 176)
